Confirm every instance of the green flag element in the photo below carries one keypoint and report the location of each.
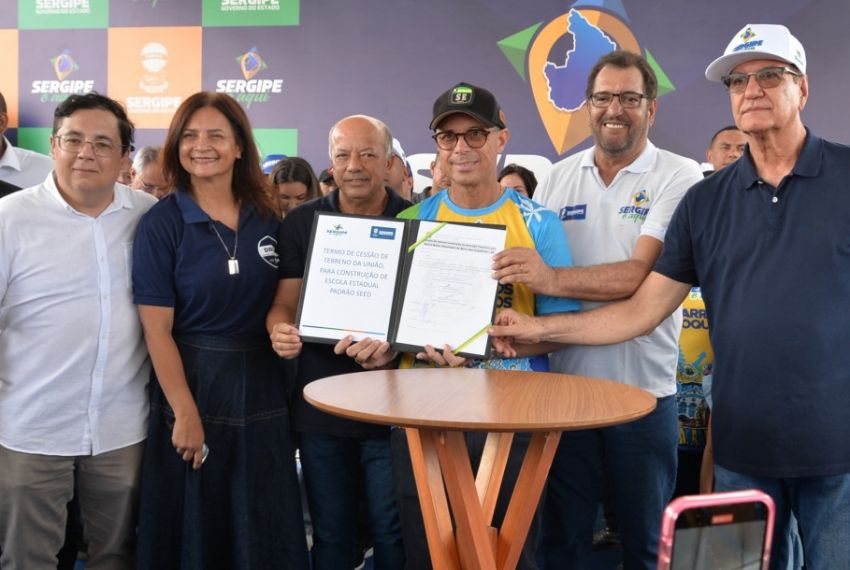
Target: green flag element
(665, 86)
(516, 46)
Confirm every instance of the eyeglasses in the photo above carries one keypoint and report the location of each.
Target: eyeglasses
(628, 99)
(766, 78)
(151, 188)
(474, 138)
(73, 143)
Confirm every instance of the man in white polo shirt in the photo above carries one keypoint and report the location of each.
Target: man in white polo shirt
(19, 166)
(615, 201)
(73, 364)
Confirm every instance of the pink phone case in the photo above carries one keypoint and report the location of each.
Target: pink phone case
(682, 504)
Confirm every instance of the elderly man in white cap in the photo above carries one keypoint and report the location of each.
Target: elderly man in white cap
(768, 240)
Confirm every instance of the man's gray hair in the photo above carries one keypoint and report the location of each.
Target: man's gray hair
(379, 124)
(145, 156)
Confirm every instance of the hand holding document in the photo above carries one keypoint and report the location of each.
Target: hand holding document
(413, 283)
(351, 277)
(450, 291)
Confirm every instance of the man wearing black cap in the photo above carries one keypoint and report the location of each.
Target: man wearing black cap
(615, 201)
(470, 133)
(766, 239)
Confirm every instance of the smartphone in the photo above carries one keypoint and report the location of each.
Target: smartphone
(720, 531)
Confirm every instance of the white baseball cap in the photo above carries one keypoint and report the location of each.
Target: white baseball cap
(758, 41)
(398, 151)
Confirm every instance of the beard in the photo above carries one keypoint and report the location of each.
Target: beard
(635, 133)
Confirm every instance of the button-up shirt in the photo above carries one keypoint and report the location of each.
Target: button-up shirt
(73, 363)
(774, 267)
(23, 167)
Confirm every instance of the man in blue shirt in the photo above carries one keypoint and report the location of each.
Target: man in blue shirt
(767, 239)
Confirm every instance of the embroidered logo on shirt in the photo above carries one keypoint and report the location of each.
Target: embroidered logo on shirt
(267, 248)
(638, 209)
(571, 213)
(529, 212)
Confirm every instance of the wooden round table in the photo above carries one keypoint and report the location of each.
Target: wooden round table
(437, 405)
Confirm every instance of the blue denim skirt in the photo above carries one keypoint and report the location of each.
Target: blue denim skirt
(242, 509)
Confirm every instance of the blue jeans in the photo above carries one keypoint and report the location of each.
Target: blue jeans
(821, 506)
(334, 470)
(639, 461)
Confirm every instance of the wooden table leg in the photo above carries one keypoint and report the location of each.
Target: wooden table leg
(443, 475)
(424, 457)
(474, 537)
(525, 498)
(491, 471)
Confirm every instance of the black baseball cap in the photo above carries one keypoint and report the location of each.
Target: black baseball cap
(470, 100)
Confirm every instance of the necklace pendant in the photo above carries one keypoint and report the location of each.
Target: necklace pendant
(233, 266)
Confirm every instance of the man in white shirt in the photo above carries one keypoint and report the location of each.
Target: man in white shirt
(19, 166)
(615, 201)
(73, 364)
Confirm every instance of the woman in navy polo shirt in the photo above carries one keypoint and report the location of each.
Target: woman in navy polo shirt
(219, 488)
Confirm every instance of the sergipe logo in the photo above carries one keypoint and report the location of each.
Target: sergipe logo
(250, 5)
(229, 13)
(154, 82)
(749, 43)
(249, 90)
(64, 65)
(152, 69)
(57, 90)
(62, 7)
(154, 59)
(251, 63)
(556, 57)
(638, 209)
